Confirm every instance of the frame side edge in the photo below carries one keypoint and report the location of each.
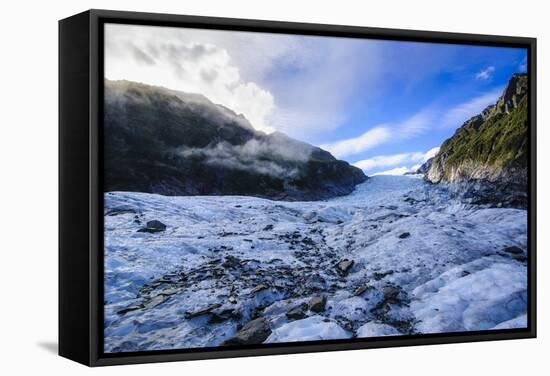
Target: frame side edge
(532, 69)
(74, 278)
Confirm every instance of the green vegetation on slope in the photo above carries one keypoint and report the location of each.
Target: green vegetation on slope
(500, 141)
(487, 157)
(491, 145)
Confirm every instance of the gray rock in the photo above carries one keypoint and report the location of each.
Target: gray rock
(227, 314)
(129, 309)
(317, 304)
(361, 290)
(119, 211)
(168, 292)
(200, 312)
(391, 294)
(343, 267)
(259, 288)
(153, 226)
(513, 250)
(298, 312)
(252, 333)
(157, 300)
(231, 262)
(377, 276)
(425, 167)
(520, 258)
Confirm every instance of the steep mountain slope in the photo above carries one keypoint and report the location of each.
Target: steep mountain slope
(490, 149)
(173, 143)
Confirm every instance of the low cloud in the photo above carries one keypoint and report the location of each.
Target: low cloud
(388, 160)
(486, 73)
(356, 145)
(394, 171)
(430, 153)
(414, 159)
(268, 157)
(413, 126)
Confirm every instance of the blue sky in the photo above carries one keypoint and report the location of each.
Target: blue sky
(381, 105)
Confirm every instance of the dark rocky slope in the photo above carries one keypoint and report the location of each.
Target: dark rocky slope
(487, 156)
(173, 143)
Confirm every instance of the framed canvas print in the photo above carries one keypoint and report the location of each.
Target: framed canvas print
(238, 187)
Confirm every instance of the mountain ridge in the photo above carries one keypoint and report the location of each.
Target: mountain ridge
(489, 149)
(175, 143)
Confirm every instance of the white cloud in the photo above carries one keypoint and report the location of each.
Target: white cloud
(522, 67)
(381, 161)
(236, 69)
(410, 127)
(388, 160)
(366, 141)
(416, 124)
(486, 73)
(457, 115)
(394, 171)
(430, 153)
(315, 94)
(157, 56)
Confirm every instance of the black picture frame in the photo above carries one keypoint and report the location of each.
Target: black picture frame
(81, 194)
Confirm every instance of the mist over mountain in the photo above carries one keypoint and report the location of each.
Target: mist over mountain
(487, 155)
(173, 143)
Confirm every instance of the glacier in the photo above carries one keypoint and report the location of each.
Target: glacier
(422, 261)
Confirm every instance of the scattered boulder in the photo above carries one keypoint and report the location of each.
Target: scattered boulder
(200, 312)
(513, 250)
(231, 262)
(259, 288)
(343, 267)
(298, 312)
(153, 227)
(157, 300)
(520, 258)
(391, 294)
(232, 299)
(168, 292)
(361, 290)
(377, 276)
(410, 200)
(118, 211)
(404, 235)
(317, 304)
(226, 314)
(252, 333)
(129, 309)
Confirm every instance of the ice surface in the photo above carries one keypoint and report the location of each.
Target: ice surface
(374, 329)
(423, 263)
(313, 328)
